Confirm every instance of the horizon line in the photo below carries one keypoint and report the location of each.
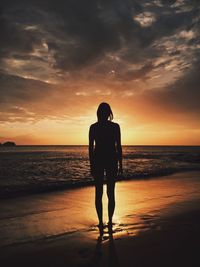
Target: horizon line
(87, 145)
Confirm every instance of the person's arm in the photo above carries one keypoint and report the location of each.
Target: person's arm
(91, 147)
(119, 149)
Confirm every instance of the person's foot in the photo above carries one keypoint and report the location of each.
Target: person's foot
(110, 223)
(110, 226)
(101, 226)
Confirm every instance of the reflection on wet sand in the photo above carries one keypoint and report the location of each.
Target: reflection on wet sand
(111, 256)
(148, 218)
(138, 203)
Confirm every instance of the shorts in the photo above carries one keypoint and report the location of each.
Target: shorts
(107, 168)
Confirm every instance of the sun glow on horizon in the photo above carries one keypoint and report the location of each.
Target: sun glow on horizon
(142, 59)
(74, 131)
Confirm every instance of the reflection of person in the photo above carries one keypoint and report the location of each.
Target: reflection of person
(105, 153)
(99, 253)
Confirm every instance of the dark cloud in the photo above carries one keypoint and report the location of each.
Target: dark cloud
(17, 90)
(14, 38)
(23, 99)
(141, 73)
(92, 28)
(165, 25)
(182, 96)
(81, 32)
(29, 100)
(112, 40)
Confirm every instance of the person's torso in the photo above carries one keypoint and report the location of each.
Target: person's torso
(105, 140)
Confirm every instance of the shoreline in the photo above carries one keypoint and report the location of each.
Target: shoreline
(172, 241)
(63, 186)
(156, 227)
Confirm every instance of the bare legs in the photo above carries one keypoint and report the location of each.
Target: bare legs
(98, 201)
(111, 200)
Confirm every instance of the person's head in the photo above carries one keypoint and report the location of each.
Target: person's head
(104, 112)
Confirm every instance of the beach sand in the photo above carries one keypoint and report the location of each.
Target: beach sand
(157, 223)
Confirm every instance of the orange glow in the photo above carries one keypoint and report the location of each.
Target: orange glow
(145, 201)
(52, 86)
(138, 127)
(142, 121)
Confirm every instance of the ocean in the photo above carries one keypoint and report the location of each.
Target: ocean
(35, 169)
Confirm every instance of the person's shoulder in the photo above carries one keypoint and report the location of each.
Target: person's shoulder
(93, 125)
(115, 126)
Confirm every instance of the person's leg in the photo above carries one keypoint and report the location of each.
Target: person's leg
(111, 199)
(98, 199)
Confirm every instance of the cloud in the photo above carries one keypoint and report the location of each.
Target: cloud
(29, 100)
(14, 38)
(19, 97)
(184, 94)
(78, 34)
(132, 74)
(174, 104)
(66, 51)
(20, 89)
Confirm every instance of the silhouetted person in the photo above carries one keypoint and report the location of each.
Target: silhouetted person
(105, 153)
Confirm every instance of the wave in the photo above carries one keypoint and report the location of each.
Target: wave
(16, 191)
(31, 171)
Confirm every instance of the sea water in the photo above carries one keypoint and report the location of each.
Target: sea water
(33, 169)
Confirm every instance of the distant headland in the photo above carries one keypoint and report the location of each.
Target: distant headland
(8, 143)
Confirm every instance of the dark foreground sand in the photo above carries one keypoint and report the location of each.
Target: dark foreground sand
(174, 242)
(170, 239)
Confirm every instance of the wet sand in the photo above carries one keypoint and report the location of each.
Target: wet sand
(157, 223)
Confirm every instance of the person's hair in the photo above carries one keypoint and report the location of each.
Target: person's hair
(104, 112)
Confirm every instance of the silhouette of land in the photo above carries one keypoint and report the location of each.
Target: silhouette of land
(8, 143)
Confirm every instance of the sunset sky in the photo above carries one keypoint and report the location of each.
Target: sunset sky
(60, 59)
